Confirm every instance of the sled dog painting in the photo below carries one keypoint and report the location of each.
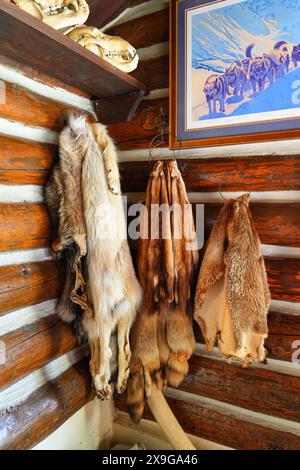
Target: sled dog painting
(237, 67)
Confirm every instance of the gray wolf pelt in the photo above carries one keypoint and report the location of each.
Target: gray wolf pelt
(90, 213)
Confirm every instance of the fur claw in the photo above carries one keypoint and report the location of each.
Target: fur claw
(104, 394)
(122, 387)
(103, 389)
(122, 382)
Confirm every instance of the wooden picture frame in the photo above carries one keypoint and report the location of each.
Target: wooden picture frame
(181, 137)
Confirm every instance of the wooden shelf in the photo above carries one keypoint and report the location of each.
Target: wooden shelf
(33, 43)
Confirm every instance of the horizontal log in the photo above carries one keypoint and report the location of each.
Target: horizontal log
(261, 390)
(283, 275)
(284, 329)
(227, 429)
(28, 225)
(284, 323)
(24, 162)
(258, 173)
(32, 346)
(28, 284)
(30, 108)
(275, 224)
(281, 346)
(154, 73)
(46, 409)
(284, 278)
(24, 226)
(37, 177)
(103, 12)
(18, 154)
(230, 429)
(145, 31)
(138, 133)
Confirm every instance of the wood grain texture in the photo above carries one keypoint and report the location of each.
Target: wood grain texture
(138, 133)
(39, 76)
(18, 154)
(32, 109)
(32, 346)
(145, 31)
(281, 346)
(260, 173)
(24, 226)
(20, 177)
(46, 409)
(125, 104)
(260, 390)
(154, 73)
(276, 224)
(24, 162)
(227, 429)
(284, 329)
(83, 69)
(284, 278)
(28, 284)
(104, 11)
(283, 275)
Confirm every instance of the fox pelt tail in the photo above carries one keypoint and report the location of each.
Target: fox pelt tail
(144, 365)
(181, 345)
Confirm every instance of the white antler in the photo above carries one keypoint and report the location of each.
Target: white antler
(167, 421)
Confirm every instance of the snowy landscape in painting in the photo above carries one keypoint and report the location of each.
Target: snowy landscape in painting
(243, 59)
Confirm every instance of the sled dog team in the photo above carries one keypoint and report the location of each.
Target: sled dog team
(258, 72)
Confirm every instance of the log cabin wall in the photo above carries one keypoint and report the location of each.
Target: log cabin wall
(259, 407)
(44, 377)
(219, 404)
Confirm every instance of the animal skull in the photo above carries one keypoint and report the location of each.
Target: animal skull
(59, 14)
(113, 49)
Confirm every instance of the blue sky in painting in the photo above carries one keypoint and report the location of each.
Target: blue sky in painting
(222, 35)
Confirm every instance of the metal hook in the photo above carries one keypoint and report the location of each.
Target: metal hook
(248, 193)
(159, 139)
(219, 191)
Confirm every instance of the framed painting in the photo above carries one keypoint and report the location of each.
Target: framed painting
(234, 71)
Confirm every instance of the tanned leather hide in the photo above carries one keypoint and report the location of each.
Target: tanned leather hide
(162, 336)
(232, 295)
(101, 292)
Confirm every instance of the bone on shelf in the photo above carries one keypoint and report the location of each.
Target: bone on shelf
(35, 44)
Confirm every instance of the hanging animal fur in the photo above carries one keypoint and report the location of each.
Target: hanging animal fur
(63, 195)
(162, 336)
(232, 295)
(85, 191)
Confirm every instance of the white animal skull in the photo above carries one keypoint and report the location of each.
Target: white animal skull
(59, 14)
(113, 49)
